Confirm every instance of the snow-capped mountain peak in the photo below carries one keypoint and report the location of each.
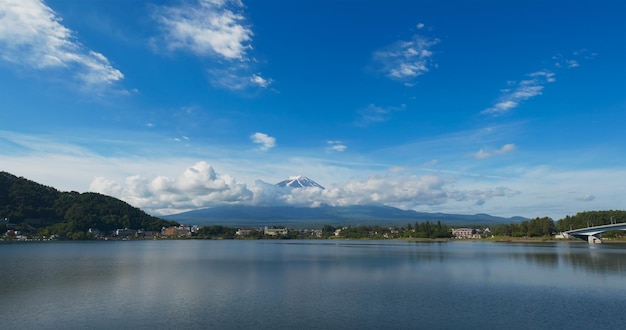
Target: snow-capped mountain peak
(299, 181)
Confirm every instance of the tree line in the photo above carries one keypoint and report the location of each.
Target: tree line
(530, 228)
(545, 226)
(31, 207)
(590, 219)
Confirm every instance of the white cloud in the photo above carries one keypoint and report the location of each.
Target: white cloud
(267, 142)
(526, 89)
(533, 192)
(207, 28)
(396, 189)
(215, 29)
(336, 146)
(481, 154)
(260, 81)
(201, 186)
(197, 187)
(161, 182)
(31, 35)
(505, 149)
(406, 60)
(529, 88)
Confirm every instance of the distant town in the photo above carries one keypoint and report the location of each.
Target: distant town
(419, 231)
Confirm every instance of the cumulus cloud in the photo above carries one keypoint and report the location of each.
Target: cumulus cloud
(394, 189)
(482, 153)
(266, 142)
(197, 187)
(200, 186)
(427, 190)
(405, 60)
(32, 36)
(520, 91)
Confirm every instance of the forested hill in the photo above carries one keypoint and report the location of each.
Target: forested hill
(29, 204)
(591, 218)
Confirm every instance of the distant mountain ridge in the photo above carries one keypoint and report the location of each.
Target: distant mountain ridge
(253, 216)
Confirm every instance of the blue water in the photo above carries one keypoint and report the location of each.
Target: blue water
(323, 284)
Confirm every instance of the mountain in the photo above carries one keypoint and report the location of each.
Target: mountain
(302, 217)
(27, 204)
(299, 181)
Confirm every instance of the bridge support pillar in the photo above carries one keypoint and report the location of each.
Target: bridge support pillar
(593, 240)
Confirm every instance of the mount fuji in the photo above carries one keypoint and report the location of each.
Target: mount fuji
(312, 217)
(307, 217)
(299, 181)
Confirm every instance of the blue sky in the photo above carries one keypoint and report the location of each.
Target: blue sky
(499, 107)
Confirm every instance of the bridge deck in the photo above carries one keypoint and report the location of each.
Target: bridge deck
(590, 233)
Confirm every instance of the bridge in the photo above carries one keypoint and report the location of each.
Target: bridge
(590, 233)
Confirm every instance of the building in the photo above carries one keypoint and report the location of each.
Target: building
(125, 232)
(180, 231)
(244, 231)
(275, 231)
(465, 233)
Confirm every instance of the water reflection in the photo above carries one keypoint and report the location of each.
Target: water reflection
(160, 284)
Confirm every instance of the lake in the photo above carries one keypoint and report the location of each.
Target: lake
(312, 284)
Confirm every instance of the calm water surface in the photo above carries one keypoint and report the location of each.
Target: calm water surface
(312, 285)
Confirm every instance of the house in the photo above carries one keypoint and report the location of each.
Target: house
(180, 231)
(125, 232)
(275, 231)
(244, 231)
(146, 233)
(465, 233)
